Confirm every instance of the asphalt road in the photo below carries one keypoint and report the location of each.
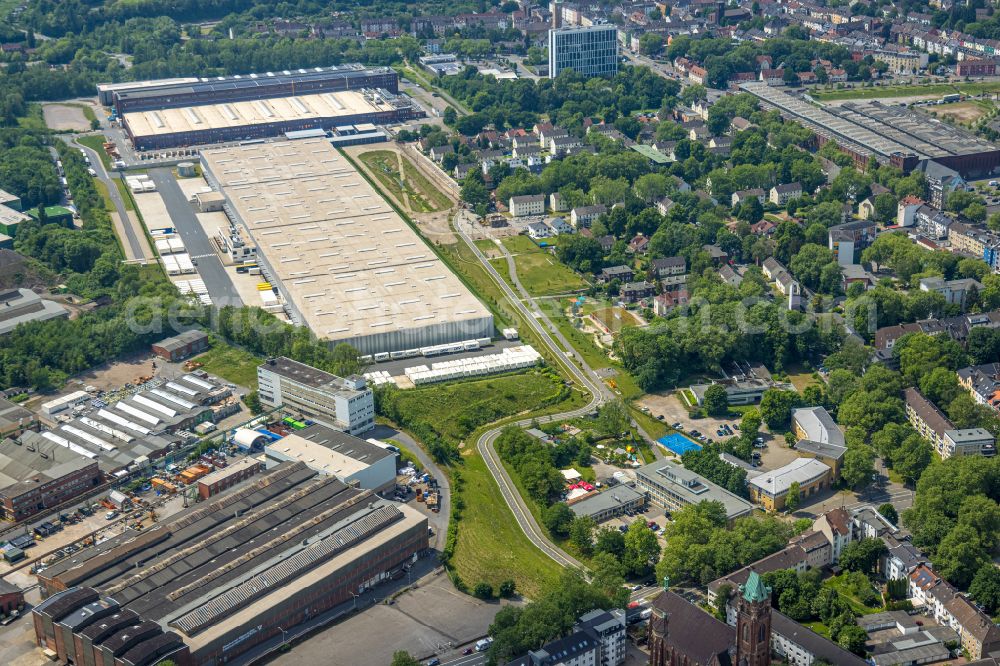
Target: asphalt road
(98, 166)
(485, 445)
(196, 241)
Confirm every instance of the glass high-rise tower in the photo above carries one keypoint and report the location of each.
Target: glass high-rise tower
(590, 51)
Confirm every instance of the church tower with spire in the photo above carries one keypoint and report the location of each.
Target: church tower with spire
(753, 623)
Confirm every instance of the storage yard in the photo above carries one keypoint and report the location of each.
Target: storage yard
(347, 265)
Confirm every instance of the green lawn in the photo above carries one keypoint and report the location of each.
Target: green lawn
(124, 192)
(33, 118)
(96, 143)
(231, 363)
(491, 545)
(542, 274)
(838, 584)
(103, 190)
(520, 244)
(422, 195)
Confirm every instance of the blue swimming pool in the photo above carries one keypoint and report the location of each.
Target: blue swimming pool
(678, 443)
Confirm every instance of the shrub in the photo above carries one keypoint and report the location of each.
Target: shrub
(507, 589)
(483, 590)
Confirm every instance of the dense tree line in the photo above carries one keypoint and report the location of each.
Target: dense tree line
(955, 517)
(27, 169)
(537, 465)
(565, 100)
(88, 258)
(700, 548)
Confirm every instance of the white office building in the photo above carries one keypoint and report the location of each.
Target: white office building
(589, 51)
(343, 403)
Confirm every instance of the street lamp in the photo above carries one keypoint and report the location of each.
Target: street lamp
(283, 641)
(355, 600)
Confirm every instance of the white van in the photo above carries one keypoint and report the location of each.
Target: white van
(484, 644)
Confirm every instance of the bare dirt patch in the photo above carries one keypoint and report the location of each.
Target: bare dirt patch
(65, 117)
(962, 112)
(435, 226)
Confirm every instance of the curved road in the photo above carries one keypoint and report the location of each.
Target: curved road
(585, 376)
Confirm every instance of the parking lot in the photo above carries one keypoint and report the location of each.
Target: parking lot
(432, 619)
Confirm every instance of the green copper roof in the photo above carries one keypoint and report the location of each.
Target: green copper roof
(754, 589)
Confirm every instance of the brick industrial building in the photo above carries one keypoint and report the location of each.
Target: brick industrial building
(216, 580)
(33, 479)
(888, 134)
(181, 345)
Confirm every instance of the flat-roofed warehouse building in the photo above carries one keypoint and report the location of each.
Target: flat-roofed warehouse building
(212, 582)
(328, 451)
(176, 93)
(887, 133)
(260, 105)
(349, 267)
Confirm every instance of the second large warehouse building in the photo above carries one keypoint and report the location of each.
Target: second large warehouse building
(348, 266)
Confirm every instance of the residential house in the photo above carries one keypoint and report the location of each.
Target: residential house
(664, 267)
(929, 221)
(668, 300)
(620, 273)
(527, 204)
(638, 244)
(664, 204)
(730, 276)
(955, 292)
(935, 427)
(636, 291)
(557, 203)
(742, 195)
(782, 194)
(584, 216)
(607, 242)
(848, 240)
(853, 273)
(906, 210)
(772, 77)
(716, 254)
(941, 180)
(980, 636)
(560, 225)
(538, 230)
(438, 153)
(835, 525)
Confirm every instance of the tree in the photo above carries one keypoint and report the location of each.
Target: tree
(613, 418)
(450, 115)
(641, 548)
(859, 465)
(888, 511)
(776, 407)
(558, 518)
(650, 44)
(862, 555)
(507, 589)
(985, 588)
(852, 638)
(610, 541)
(403, 658)
(581, 533)
(483, 590)
(345, 360)
(252, 400)
(793, 497)
(960, 556)
(722, 601)
(716, 402)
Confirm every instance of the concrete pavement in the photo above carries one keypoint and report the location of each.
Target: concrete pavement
(196, 241)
